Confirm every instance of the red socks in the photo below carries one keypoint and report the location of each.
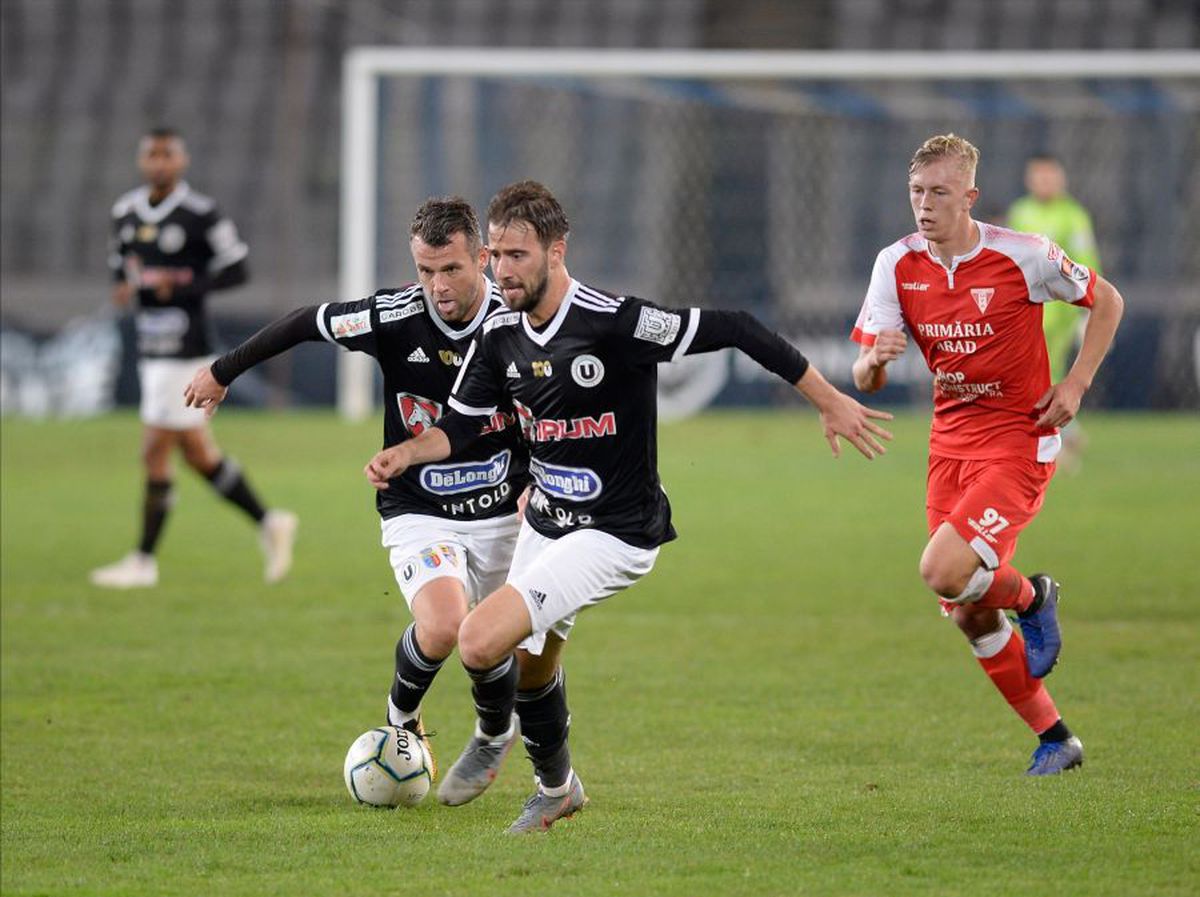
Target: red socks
(1002, 656)
(1009, 591)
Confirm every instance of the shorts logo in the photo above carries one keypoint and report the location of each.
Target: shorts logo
(171, 238)
(989, 524)
(587, 370)
(399, 314)
(451, 479)
(571, 483)
(539, 598)
(417, 412)
(354, 324)
(408, 572)
(435, 555)
(982, 297)
(657, 326)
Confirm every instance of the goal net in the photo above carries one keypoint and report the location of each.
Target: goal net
(762, 180)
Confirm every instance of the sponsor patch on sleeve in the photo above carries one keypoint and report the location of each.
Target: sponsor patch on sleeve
(657, 326)
(354, 324)
(1073, 271)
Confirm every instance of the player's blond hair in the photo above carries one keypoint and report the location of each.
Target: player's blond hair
(946, 146)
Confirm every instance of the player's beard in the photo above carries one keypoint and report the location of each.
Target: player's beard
(532, 294)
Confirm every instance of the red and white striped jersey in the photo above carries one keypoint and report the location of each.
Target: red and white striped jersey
(979, 325)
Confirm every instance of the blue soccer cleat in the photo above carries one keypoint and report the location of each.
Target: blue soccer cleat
(1039, 626)
(1054, 757)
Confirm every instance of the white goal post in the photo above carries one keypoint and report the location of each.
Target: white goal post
(365, 66)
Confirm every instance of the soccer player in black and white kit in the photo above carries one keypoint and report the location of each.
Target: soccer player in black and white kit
(450, 528)
(170, 248)
(578, 365)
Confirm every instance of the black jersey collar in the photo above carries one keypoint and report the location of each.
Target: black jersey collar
(544, 336)
(154, 214)
(489, 291)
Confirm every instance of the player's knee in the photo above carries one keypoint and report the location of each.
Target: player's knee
(156, 454)
(945, 579)
(437, 637)
(475, 648)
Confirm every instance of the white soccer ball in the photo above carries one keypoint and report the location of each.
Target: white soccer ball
(388, 767)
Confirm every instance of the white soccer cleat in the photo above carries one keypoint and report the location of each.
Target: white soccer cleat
(134, 571)
(277, 535)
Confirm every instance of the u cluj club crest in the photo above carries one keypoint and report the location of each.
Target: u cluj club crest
(418, 412)
(983, 297)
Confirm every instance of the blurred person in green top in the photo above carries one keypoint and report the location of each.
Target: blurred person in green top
(1049, 210)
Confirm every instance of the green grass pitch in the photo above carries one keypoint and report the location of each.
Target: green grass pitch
(776, 709)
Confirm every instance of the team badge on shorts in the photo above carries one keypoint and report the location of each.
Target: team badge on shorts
(436, 555)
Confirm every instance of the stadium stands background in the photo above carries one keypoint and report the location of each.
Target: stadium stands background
(255, 86)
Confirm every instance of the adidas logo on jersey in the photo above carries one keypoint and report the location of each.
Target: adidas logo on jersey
(511, 372)
(418, 356)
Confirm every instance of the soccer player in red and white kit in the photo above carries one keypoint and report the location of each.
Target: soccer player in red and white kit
(970, 296)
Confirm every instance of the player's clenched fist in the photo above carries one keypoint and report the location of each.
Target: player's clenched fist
(389, 463)
(889, 345)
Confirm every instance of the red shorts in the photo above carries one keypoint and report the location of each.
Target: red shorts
(988, 502)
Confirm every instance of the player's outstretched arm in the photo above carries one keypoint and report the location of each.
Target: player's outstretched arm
(1060, 403)
(870, 369)
(210, 385)
(432, 445)
(842, 416)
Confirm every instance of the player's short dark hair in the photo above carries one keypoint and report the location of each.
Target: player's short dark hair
(162, 132)
(441, 217)
(1043, 156)
(532, 203)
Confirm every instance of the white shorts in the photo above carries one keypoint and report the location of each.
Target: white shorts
(477, 553)
(557, 578)
(163, 381)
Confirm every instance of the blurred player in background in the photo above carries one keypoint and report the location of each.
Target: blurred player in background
(1049, 210)
(449, 528)
(579, 365)
(971, 295)
(170, 247)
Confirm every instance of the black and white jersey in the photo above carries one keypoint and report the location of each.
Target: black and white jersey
(584, 391)
(420, 356)
(183, 241)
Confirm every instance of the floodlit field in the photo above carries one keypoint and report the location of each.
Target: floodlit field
(777, 709)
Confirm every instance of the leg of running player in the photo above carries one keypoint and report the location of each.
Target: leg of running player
(438, 610)
(542, 708)
(157, 447)
(277, 529)
(139, 569)
(494, 629)
(977, 598)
